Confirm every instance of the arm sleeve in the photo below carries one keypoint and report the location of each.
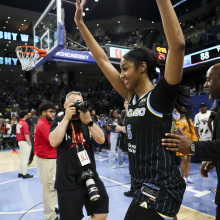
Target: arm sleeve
(45, 132)
(213, 115)
(196, 121)
(163, 97)
(207, 150)
(26, 129)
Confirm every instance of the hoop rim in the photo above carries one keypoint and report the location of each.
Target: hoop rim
(41, 52)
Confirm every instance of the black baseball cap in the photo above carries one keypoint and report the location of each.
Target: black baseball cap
(202, 104)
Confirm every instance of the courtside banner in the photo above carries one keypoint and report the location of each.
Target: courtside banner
(73, 56)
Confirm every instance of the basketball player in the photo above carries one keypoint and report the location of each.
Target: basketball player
(159, 187)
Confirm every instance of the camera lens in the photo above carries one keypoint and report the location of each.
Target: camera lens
(92, 190)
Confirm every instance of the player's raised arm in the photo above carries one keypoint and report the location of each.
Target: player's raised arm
(174, 64)
(102, 60)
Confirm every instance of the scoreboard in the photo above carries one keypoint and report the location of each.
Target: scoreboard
(161, 53)
(213, 53)
(202, 56)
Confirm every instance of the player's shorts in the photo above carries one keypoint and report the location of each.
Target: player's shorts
(135, 211)
(71, 202)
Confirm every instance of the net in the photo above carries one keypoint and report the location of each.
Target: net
(27, 56)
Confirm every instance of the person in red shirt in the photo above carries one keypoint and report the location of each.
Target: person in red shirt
(46, 159)
(4, 129)
(24, 142)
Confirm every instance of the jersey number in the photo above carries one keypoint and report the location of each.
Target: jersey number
(129, 131)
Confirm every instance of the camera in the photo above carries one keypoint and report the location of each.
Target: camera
(79, 105)
(82, 106)
(112, 126)
(86, 177)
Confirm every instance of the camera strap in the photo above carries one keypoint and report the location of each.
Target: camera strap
(83, 156)
(79, 137)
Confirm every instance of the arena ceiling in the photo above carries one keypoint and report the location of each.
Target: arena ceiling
(106, 9)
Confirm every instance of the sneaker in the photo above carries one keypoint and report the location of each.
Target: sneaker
(122, 166)
(113, 167)
(188, 179)
(27, 176)
(185, 180)
(129, 193)
(15, 152)
(20, 175)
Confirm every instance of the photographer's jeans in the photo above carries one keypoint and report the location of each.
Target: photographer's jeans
(112, 154)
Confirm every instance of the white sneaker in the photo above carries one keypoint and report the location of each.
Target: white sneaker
(113, 167)
(185, 180)
(188, 179)
(122, 166)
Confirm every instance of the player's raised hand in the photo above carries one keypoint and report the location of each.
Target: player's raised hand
(79, 11)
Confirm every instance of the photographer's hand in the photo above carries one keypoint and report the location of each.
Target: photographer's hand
(85, 117)
(96, 132)
(70, 111)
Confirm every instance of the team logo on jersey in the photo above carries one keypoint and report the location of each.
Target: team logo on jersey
(136, 112)
(132, 148)
(142, 102)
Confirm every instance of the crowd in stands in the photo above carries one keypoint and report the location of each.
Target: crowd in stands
(22, 95)
(200, 32)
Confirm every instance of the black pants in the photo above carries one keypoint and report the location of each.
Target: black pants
(218, 213)
(32, 150)
(71, 202)
(139, 213)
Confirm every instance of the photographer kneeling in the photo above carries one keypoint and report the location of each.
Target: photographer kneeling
(77, 181)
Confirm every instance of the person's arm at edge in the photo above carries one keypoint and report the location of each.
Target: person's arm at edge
(57, 135)
(101, 58)
(207, 150)
(174, 64)
(27, 137)
(197, 131)
(210, 124)
(121, 128)
(97, 133)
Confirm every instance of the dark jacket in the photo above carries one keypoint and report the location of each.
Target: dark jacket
(210, 150)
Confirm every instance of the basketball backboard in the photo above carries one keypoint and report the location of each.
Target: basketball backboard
(49, 31)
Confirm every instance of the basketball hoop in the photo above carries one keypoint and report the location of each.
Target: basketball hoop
(27, 56)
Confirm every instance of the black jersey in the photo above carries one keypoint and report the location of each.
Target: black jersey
(68, 164)
(156, 177)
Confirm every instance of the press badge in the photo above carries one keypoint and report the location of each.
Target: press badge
(150, 190)
(83, 157)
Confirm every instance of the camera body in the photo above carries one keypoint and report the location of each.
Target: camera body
(79, 105)
(86, 177)
(112, 126)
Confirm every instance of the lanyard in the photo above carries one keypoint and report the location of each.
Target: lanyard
(79, 137)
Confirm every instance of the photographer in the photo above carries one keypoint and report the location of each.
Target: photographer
(70, 133)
